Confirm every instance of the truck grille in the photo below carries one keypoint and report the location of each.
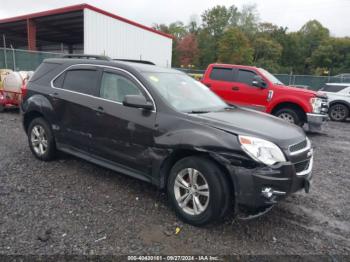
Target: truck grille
(298, 146)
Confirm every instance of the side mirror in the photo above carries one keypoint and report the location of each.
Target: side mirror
(137, 101)
(258, 82)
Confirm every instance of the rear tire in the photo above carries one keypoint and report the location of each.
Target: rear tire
(202, 199)
(291, 115)
(338, 112)
(2, 108)
(41, 139)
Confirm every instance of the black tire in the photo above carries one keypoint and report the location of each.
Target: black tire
(50, 152)
(338, 112)
(2, 108)
(291, 115)
(219, 190)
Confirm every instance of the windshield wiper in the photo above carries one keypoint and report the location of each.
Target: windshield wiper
(198, 112)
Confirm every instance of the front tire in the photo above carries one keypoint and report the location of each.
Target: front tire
(41, 139)
(2, 108)
(338, 112)
(291, 115)
(198, 190)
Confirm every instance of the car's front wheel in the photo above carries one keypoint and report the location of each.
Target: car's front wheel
(198, 190)
(41, 139)
(291, 115)
(338, 112)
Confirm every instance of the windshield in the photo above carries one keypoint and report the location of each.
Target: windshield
(184, 93)
(270, 77)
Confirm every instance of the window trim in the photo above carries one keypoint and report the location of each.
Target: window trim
(103, 66)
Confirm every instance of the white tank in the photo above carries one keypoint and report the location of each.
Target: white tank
(13, 82)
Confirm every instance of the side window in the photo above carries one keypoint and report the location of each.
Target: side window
(115, 87)
(59, 81)
(245, 76)
(81, 80)
(222, 74)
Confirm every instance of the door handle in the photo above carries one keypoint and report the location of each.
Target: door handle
(235, 88)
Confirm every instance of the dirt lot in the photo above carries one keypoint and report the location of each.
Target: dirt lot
(70, 206)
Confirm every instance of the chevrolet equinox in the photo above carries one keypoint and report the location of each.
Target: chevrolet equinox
(161, 126)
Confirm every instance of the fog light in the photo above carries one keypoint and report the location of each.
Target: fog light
(267, 192)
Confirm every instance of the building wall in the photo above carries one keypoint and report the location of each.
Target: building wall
(104, 35)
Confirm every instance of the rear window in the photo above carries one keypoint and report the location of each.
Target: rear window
(81, 80)
(333, 88)
(222, 74)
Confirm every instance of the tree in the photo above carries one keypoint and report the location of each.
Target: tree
(248, 20)
(267, 53)
(187, 49)
(234, 48)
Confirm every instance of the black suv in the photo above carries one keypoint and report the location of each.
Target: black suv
(161, 126)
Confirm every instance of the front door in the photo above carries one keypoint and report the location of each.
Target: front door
(122, 134)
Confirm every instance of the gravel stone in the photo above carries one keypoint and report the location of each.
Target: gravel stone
(70, 206)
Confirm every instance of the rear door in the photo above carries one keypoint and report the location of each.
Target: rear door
(74, 101)
(221, 81)
(122, 134)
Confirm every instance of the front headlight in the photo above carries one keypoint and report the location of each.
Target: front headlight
(261, 150)
(316, 104)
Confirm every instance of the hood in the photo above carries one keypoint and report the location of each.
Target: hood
(304, 91)
(242, 121)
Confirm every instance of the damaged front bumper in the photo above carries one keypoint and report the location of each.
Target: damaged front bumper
(264, 186)
(316, 121)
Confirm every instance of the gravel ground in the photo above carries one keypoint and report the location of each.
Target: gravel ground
(70, 206)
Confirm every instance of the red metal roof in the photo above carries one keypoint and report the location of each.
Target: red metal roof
(77, 8)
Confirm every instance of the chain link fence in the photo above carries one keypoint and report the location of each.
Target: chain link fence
(23, 60)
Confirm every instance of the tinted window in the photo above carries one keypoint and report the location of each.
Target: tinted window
(81, 80)
(245, 76)
(222, 74)
(59, 81)
(115, 87)
(333, 88)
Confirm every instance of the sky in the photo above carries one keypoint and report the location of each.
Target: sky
(333, 14)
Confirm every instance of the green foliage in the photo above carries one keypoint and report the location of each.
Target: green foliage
(234, 48)
(230, 35)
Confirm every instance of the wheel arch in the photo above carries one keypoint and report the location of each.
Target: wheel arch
(292, 105)
(179, 154)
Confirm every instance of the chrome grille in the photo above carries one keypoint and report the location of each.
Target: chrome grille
(298, 146)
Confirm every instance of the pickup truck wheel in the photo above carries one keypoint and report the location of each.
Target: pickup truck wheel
(338, 112)
(290, 115)
(41, 139)
(198, 190)
(2, 108)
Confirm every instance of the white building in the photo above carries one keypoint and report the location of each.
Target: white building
(87, 29)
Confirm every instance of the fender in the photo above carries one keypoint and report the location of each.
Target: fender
(288, 99)
(39, 103)
(340, 102)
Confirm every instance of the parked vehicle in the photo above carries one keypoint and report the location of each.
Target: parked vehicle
(12, 88)
(161, 126)
(339, 100)
(256, 88)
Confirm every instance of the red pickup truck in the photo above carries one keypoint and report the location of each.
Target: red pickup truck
(256, 88)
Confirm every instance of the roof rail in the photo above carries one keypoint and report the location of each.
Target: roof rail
(84, 56)
(135, 61)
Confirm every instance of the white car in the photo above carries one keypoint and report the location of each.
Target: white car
(339, 100)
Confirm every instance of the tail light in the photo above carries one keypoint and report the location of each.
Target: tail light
(24, 90)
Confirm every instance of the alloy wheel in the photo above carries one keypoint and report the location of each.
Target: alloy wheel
(191, 191)
(338, 112)
(39, 140)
